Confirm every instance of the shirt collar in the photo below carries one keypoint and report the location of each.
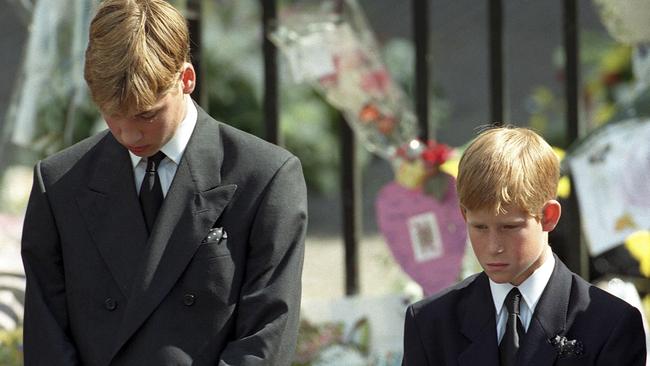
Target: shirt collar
(175, 147)
(531, 289)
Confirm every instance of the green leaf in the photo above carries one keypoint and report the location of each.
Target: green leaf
(436, 186)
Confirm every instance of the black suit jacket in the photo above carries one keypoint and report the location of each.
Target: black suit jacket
(458, 326)
(101, 292)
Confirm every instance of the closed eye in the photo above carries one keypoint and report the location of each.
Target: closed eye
(150, 114)
(147, 116)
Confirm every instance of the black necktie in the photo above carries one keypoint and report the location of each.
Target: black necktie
(151, 195)
(514, 330)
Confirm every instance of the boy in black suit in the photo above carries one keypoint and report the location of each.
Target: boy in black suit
(171, 238)
(526, 307)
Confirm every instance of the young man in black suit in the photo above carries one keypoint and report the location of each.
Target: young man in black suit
(526, 308)
(171, 239)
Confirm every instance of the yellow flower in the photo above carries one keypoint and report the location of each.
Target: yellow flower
(604, 113)
(450, 166)
(410, 174)
(617, 59)
(564, 187)
(638, 244)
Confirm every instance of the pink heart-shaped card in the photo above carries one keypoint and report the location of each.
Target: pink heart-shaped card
(426, 236)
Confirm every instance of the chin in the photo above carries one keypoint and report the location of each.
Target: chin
(499, 278)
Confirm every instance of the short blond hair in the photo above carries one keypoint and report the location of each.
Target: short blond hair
(136, 50)
(508, 166)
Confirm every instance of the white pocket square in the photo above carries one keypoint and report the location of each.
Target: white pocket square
(215, 235)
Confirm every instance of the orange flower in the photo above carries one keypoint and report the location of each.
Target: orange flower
(386, 125)
(369, 113)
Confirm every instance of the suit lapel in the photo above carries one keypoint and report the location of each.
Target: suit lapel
(112, 213)
(549, 319)
(479, 326)
(194, 202)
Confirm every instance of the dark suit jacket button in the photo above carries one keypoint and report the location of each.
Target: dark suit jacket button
(110, 304)
(188, 299)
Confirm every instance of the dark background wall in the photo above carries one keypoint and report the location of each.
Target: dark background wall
(459, 46)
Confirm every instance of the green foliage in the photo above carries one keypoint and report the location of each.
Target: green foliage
(11, 347)
(231, 97)
(307, 124)
(233, 80)
(311, 129)
(547, 111)
(399, 56)
(60, 124)
(607, 75)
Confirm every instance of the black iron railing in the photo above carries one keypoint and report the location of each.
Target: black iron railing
(573, 253)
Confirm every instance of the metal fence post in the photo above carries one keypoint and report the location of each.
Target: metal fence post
(351, 205)
(576, 254)
(271, 114)
(421, 39)
(495, 49)
(194, 24)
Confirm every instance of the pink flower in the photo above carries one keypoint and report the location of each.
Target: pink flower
(376, 80)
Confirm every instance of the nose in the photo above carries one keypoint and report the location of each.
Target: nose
(494, 243)
(130, 133)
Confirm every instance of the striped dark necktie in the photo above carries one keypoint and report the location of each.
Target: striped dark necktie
(151, 195)
(515, 332)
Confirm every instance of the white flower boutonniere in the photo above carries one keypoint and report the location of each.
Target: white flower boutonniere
(566, 347)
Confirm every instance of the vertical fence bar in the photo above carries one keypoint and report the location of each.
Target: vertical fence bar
(271, 114)
(351, 205)
(421, 39)
(495, 39)
(571, 47)
(350, 199)
(194, 25)
(577, 258)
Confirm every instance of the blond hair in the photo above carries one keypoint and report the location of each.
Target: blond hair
(136, 50)
(508, 166)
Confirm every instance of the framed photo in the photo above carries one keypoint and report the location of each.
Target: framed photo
(425, 237)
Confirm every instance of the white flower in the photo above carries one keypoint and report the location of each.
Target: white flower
(341, 355)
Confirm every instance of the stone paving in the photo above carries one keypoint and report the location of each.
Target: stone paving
(324, 271)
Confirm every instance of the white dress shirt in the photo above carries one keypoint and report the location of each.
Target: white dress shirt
(531, 290)
(173, 150)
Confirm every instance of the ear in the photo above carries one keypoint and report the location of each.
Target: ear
(188, 78)
(551, 215)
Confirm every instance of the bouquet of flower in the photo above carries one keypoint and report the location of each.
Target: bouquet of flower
(417, 166)
(326, 344)
(334, 50)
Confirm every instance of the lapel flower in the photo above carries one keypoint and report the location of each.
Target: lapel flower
(566, 347)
